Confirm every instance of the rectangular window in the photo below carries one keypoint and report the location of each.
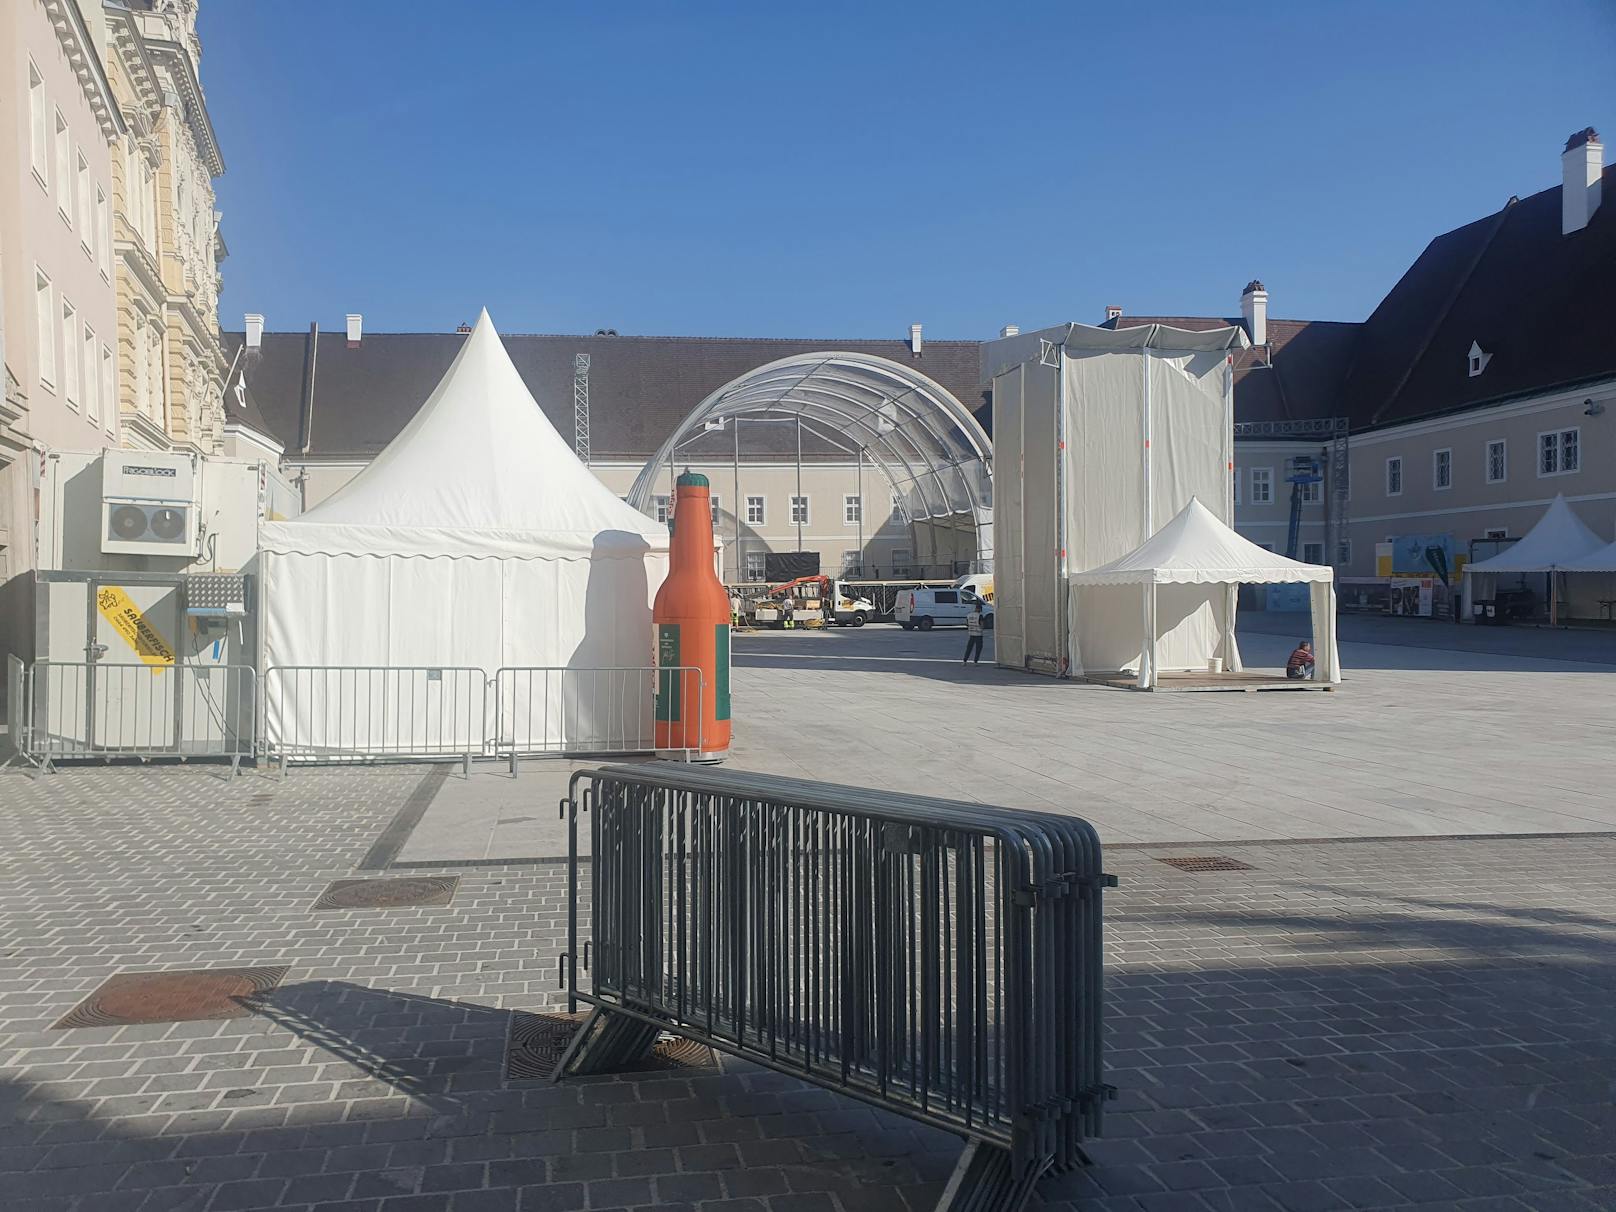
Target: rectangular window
(1262, 485)
(109, 398)
(897, 508)
(64, 169)
(45, 317)
(901, 561)
(754, 511)
(850, 561)
(1343, 552)
(81, 184)
(852, 510)
(1312, 493)
(1236, 478)
(755, 565)
(1312, 553)
(1559, 452)
(1441, 469)
(38, 127)
(92, 377)
(70, 353)
(103, 227)
(661, 503)
(1394, 477)
(713, 501)
(799, 511)
(1497, 462)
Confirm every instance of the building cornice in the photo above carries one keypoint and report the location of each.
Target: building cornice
(1462, 418)
(74, 36)
(255, 435)
(137, 63)
(143, 267)
(142, 427)
(174, 56)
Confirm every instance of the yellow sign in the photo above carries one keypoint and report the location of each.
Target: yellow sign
(119, 610)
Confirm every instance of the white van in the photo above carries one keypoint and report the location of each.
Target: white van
(924, 609)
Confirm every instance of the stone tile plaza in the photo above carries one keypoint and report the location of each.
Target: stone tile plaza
(1402, 997)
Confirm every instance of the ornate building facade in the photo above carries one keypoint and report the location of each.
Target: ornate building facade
(165, 230)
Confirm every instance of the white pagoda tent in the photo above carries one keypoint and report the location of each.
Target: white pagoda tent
(1559, 542)
(1170, 603)
(476, 540)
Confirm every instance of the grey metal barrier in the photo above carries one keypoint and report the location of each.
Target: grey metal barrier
(325, 713)
(588, 711)
(107, 709)
(938, 959)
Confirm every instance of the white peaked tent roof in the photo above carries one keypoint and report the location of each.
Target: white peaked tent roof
(1197, 549)
(478, 471)
(1559, 540)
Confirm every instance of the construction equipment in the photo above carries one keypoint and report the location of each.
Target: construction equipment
(1305, 469)
(807, 598)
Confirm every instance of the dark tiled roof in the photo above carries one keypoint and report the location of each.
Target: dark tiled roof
(1295, 377)
(1541, 303)
(640, 388)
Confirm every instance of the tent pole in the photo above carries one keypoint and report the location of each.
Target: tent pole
(799, 512)
(737, 499)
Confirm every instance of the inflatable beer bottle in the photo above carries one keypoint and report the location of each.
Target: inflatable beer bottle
(692, 620)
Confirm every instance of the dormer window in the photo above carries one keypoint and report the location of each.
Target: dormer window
(1478, 359)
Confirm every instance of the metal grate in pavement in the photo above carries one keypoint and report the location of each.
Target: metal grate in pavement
(171, 997)
(410, 892)
(1205, 862)
(538, 1040)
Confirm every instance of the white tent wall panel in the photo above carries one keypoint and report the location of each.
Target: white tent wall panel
(1009, 558)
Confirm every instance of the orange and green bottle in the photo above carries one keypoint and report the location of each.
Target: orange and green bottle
(692, 619)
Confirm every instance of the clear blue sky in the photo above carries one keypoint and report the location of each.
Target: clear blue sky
(828, 169)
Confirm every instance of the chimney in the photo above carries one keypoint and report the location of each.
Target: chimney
(1010, 330)
(1582, 163)
(356, 324)
(1254, 309)
(254, 324)
(1113, 313)
(914, 340)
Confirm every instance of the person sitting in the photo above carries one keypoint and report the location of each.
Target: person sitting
(1300, 664)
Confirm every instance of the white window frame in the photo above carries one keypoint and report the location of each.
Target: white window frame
(70, 354)
(1559, 436)
(852, 558)
(799, 505)
(86, 215)
(661, 504)
(852, 509)
(1313, 493)
(754, 565)
(902, 557)
(1503, 460)
(109, 387)
(92, 377)
(757, 511)
(45, 317)
(64, 168)
(1266, 479)
(39, 150)
(1436, 465)
(1307, 547)
(103, 229)
(1343, 552)
(715, 503)
(1394, 461)
(897, 509)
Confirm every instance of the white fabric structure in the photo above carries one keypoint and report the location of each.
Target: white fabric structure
(1560, 541)
(1101, 435)
(475, 539)
(1170, 603)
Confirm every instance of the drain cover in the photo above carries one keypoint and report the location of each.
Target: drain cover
(1206, 862)
(171, 997)
(538, 1040)
(412, 892)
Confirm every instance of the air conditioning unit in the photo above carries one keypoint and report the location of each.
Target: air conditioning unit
(149, 504)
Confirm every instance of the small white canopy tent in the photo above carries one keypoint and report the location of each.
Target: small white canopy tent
(475, 540)
(1188, 572)
(1559, 540)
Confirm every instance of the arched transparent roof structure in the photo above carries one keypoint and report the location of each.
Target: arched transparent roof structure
(938, 457)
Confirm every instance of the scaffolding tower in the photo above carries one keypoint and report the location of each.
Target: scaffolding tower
(580, 407)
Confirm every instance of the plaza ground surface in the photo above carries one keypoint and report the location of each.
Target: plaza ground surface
(1423, 1022)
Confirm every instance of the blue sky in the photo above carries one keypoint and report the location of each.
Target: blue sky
(833, 169)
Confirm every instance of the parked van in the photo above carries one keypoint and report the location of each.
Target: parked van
(923, 609)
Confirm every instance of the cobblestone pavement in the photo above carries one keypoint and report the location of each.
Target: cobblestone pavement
(1424, 1024)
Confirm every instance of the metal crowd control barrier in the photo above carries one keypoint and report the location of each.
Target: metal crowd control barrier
(934, 958)
(106, 709)
(595, 711)
(353, 712)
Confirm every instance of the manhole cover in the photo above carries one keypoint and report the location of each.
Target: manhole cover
(172, 997)
(1206, 862)
(411, 892)
(538, 1040)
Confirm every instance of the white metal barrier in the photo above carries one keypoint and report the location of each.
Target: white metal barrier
(351, 712)
(107, 709)
(598, 711)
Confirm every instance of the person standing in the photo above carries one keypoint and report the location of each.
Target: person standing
(973, 633)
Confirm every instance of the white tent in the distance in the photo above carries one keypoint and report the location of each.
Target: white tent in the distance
(1169, 604)
(1559, 542)
(475, 540)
